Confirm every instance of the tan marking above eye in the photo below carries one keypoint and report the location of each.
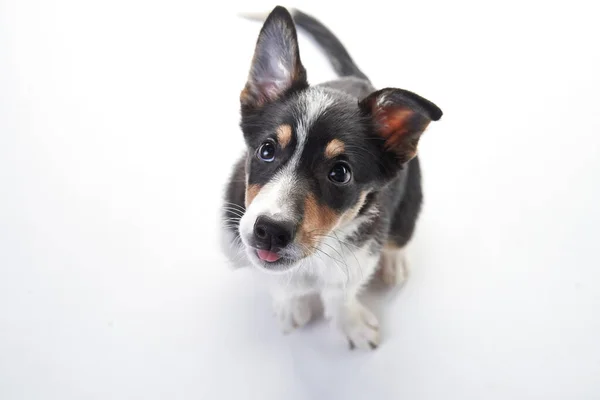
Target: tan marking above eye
(284, 135)
(334, 148)
(251, 192)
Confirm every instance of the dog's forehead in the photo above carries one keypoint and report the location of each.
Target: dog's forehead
(322, 114)
(313, 104)
(310, 107)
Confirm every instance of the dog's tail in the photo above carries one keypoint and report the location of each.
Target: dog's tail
(335, 51)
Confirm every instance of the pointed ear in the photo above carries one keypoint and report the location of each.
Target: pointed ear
(400, 117)
(276, 66)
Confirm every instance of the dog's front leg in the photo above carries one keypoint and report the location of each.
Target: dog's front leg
(353, 319)
(292, 310)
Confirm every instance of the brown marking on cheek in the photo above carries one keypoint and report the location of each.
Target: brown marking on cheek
(318, 220)
(334, 148)
(284, 135)
(251, 192)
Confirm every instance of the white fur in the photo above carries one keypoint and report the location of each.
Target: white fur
(353, 319)
(291, 311)
(394, 266)
(337, 271)
(270, 201)
(312, 103)
(233, 248)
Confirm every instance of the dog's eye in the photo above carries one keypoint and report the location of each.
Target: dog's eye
(266, 151)
(340, 173)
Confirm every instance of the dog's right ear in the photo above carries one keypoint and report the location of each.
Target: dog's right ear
(276, 66)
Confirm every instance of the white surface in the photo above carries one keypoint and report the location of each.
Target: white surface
(118, 127)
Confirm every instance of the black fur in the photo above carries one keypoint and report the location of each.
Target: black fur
(406, 212)
(343, 121)
(393, 182)
(235, 194)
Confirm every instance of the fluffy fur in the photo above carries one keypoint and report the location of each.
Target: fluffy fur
(329, 189)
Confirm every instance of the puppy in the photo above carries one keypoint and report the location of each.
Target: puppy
(329, 189)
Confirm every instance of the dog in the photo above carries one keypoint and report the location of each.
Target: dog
(328, 192)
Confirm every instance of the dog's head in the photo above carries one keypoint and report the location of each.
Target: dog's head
(314, 154)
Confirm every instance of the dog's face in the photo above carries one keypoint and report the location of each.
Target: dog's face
(315, 156)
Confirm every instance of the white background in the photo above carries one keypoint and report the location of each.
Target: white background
(118, 128)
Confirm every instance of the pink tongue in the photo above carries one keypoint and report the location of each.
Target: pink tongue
(268, 256)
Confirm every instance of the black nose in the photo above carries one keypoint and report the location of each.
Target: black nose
(272, 235)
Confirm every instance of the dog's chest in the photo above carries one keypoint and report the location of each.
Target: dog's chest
(335, 265)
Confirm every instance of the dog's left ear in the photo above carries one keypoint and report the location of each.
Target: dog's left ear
(400, 117)
(276, 67)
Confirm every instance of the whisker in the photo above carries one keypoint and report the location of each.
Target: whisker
(347, 245)
(343, 271)
(235, 205)
(228, 207)
(234, 212)
(342, 259)
(320, 252)
(231, 226)
(360, 270)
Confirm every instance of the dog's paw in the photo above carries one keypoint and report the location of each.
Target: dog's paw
(292, 313)
(360, 327)
(393, 267)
